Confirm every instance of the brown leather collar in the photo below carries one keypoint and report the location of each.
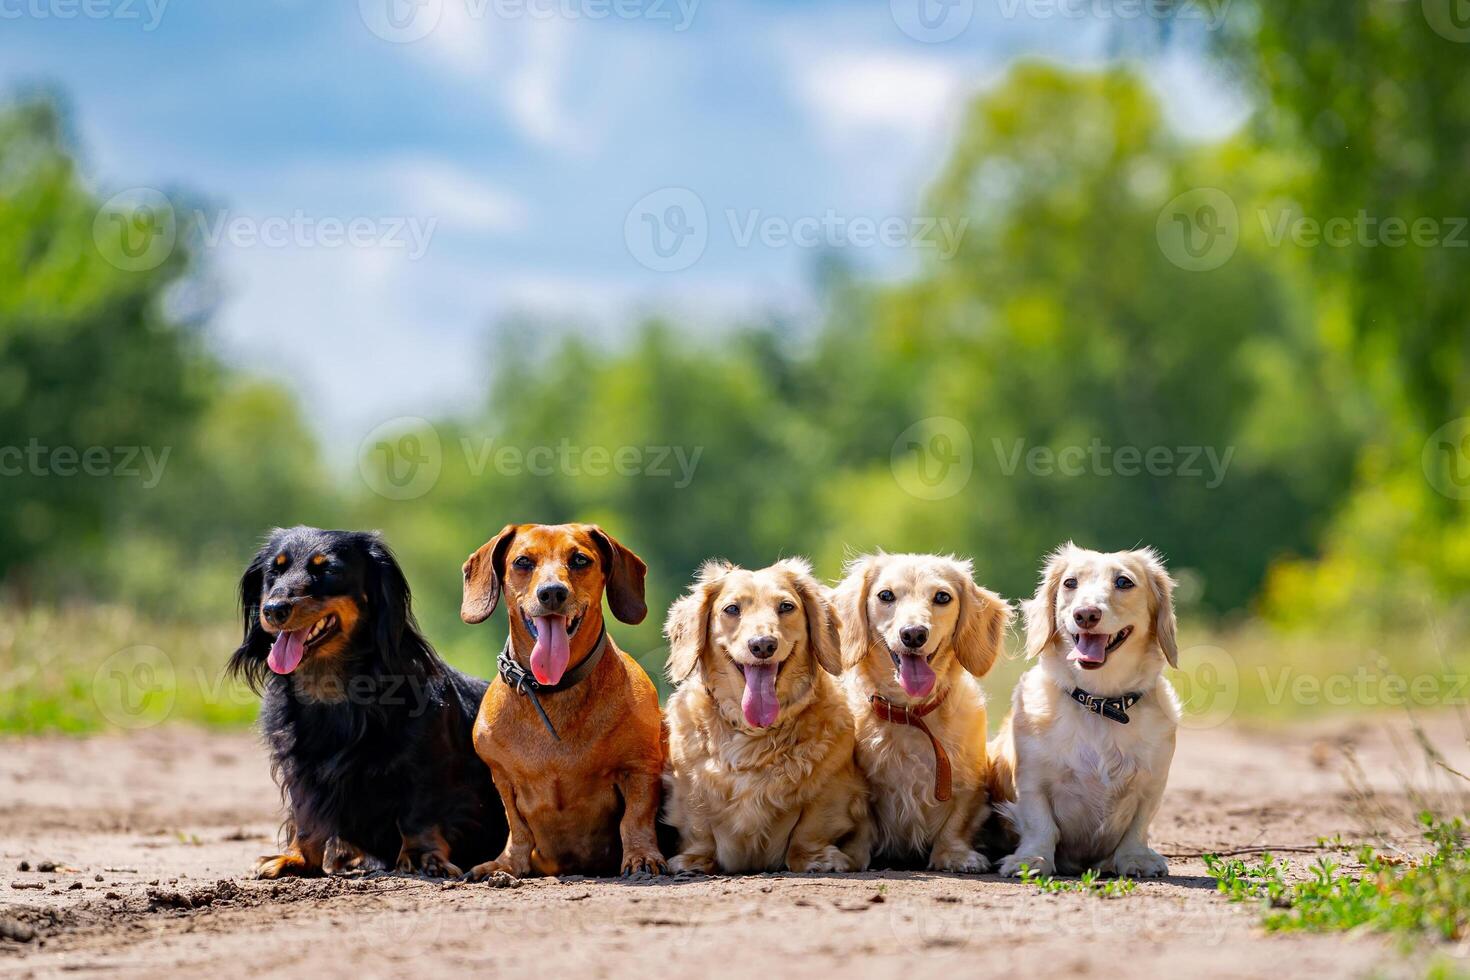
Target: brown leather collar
(899, 714)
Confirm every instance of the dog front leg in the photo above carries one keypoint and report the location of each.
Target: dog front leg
(1133, 858)
(641, 789)
(344, 857)
(954, 846)
(813, 845)
(515, 859)
(302, 858)
(1037, 829)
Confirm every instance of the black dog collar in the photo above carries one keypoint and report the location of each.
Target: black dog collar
(521, 680)
(1114, 709)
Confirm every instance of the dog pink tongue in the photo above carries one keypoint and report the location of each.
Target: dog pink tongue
(552, 651)
(1092, 648)
(915, 674)
(759, 703)
(286, 652)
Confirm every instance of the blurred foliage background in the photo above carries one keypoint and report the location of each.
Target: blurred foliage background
(1323, 373)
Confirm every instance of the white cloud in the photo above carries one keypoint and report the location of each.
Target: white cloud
(866, 93)
(457, 197)
(521, 64)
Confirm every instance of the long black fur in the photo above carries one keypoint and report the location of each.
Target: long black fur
(396, 755)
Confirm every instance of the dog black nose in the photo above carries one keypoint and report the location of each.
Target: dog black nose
(1087, 617)
(763, 646)
(277, 611)
(914, 637)
(552, 596)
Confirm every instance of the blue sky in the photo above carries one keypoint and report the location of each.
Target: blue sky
(517, 136)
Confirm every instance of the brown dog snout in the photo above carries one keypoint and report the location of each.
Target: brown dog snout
(1087, 617)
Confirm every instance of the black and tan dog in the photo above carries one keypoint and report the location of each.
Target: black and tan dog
(369, 731)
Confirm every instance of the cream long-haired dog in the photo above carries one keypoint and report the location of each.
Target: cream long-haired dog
(761, 774)
(1079, 765)
(916, 633)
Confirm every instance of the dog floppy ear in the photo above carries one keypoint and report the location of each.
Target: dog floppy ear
(1161, 594)
(1041, 609)
(980, 633)
(389, 596)
(850, 600)
(248, 660)
(625, 574)
(687, 628)
(822, 622)
(482, 574)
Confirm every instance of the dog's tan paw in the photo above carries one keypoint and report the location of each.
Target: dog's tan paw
(490, 869)
(273, 866)
(430, 865)
(690, 863)
(1011, 866)
(1143, 862)
(828, 859)
(641, 861)
(341, 858)
(964, 861)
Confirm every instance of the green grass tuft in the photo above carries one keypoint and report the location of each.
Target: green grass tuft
(1428, 897)
(1090, 883)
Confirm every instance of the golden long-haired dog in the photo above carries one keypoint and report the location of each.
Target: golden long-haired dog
(1079, 765)
(761, 774)
(916, 633)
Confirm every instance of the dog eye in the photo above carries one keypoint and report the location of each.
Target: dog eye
(1123, 582)
(580, 560)
(786, 606)
(524, 563)
(732, 610)
(1070, 583)
(942, 598)
(886, 595)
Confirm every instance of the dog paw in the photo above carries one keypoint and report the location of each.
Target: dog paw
(964, 861)
(1143, 862)
(690, 863)
(1011, 866)
(273, 866)
(493, 871)
(644, 862)
(430, 865)
(342, 858)
(829, 859)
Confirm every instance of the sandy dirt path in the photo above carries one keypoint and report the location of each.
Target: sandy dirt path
(152, 834)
